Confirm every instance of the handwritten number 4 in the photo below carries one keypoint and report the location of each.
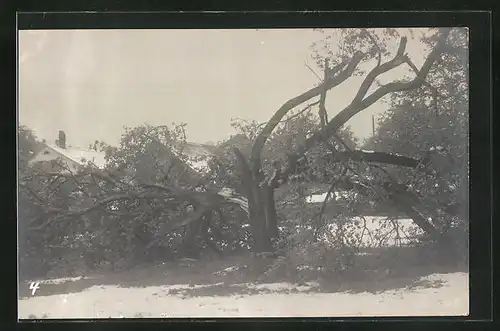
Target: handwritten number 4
(34, 286)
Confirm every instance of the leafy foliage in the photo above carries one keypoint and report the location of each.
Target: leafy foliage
(150, 204)
(111, 216)
(339, 46)
(289, 135)
(432, 123)
(28, 145)
(438, 129)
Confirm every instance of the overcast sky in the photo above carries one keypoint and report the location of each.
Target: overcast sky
(91, 83)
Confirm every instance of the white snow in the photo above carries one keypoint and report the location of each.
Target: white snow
(242, 202)
(370, 234)
(337, 195)
(197, 154)
(316, 198)
(451, 298)
(59, 280)
(77, 155)
(200, 166)
(232, 196)
(226, 192)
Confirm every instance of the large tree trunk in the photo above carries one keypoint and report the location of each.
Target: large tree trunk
(261, 204)
(191, 230)
(189, 248)
(262, 218)
(251, 172)
(270, 209)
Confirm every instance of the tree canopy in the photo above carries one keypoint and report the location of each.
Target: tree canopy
(149, 198)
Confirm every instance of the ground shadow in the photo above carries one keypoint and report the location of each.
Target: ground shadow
(223, 278)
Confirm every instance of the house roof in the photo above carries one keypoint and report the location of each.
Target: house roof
(197, 153)
(78, 155)
(235, 140)
(194, 149)
(336, 195)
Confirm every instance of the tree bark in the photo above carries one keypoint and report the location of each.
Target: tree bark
(403, 202)
(262, 219)
(189, 247)
(261, 205)
(271, 214)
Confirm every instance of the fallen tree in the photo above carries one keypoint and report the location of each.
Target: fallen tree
(125, 211)
(260, 188)
(138, 190)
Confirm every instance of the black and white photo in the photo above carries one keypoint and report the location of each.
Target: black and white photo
(243, 172)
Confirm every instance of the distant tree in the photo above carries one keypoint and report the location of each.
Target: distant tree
(28, 145)
(28, 202)
(433, 125)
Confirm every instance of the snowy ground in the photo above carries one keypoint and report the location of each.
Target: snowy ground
(433, 295)
(201, 291)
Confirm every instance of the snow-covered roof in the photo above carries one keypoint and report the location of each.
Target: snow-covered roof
(198, 155)
(433, 148)
(337, 195)
(199, 166)
(78, 155)
(234, 140)
(316, 198)
(194, 149)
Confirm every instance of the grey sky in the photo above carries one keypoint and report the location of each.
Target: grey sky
(91, 83)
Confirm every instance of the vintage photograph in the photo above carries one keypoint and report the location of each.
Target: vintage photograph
(243, 173)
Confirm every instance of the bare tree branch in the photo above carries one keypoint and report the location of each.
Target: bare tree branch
(376, 157)
(76, 213)
(177, 223)
(33, 194)
(417, 81)
(433, 89)
(323, 205)
(197, 215)
(377, 46)
(323, 115)
(292, 103)
(300, 112)
(308, 67)
(355, 107)
(398, 59)
(206, 199)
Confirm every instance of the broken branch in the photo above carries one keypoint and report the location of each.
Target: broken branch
(292, 103)
(398, 59)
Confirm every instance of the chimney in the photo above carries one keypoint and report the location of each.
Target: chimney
(62, 139)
